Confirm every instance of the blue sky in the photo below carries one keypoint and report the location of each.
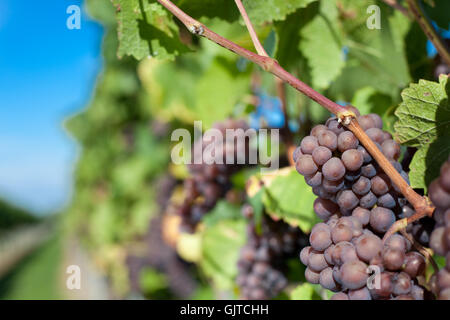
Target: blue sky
(47, 72)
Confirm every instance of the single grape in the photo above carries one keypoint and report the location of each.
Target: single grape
(312, 276)
(414, 264)
(347, 140)
(315, 132)
(393, 259)
(376, 135)
(402, 284)
(438, 195)
(316, 261)
(314, 180)
(347, 200)
(320, 238)
(368, 246)
(333, 169)
(380, 184)
(304, 254)
(363, 215)
(362, 186)
(390, 149)
(308, 144)
(366, 122)
(325, 208)
(387, 201)
(368, 201)
(341, 232)
(437, 242)
(321, 155)
(335, 126)
(326, 279)
(377, 120)
(305, 165)
(381, 219)
(368, 171)
(353, 274)
(328, 139)
(386, 286)
(352, 159)
(397, 242)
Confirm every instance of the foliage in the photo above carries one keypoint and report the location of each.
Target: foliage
(159, 77)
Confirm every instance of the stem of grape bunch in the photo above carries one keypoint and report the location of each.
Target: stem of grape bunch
(421, 204)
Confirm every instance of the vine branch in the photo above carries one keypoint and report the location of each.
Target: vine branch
(421, 204)
(431, 33)
(258, 46)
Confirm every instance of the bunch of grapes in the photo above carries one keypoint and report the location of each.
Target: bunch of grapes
(439, 193)
(210, 182)
(358, 203)
(263, 259)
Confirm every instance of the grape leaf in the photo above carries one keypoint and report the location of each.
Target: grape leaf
(223, 9)
(376, 58)
(222, 211)
(321, 44)
(427, 161)
(146, 30)
(293, 204)
(424, 113)
(220, 251)
(260, 11)
(424, 122)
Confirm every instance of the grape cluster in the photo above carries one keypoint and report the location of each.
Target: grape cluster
(263, 258)
(358, 203)
(210, 182)
(439, 193)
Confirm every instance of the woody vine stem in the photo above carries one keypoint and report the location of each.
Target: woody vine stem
(422, 205)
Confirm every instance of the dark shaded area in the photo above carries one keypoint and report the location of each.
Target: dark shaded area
(11, 216)
(439, 149)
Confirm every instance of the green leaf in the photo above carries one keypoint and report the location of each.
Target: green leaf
(427, 161)
(424, 122)
(146, 30)
(220, 251)
(222, 211)
(286, 196)
(376, 58)
(288, 52)
(305, 291)
(223, 9)
(260, 11)
(321, 44)
(424, 113)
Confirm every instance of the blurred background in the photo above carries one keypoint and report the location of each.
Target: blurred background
(48, 73)
(86, 181)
